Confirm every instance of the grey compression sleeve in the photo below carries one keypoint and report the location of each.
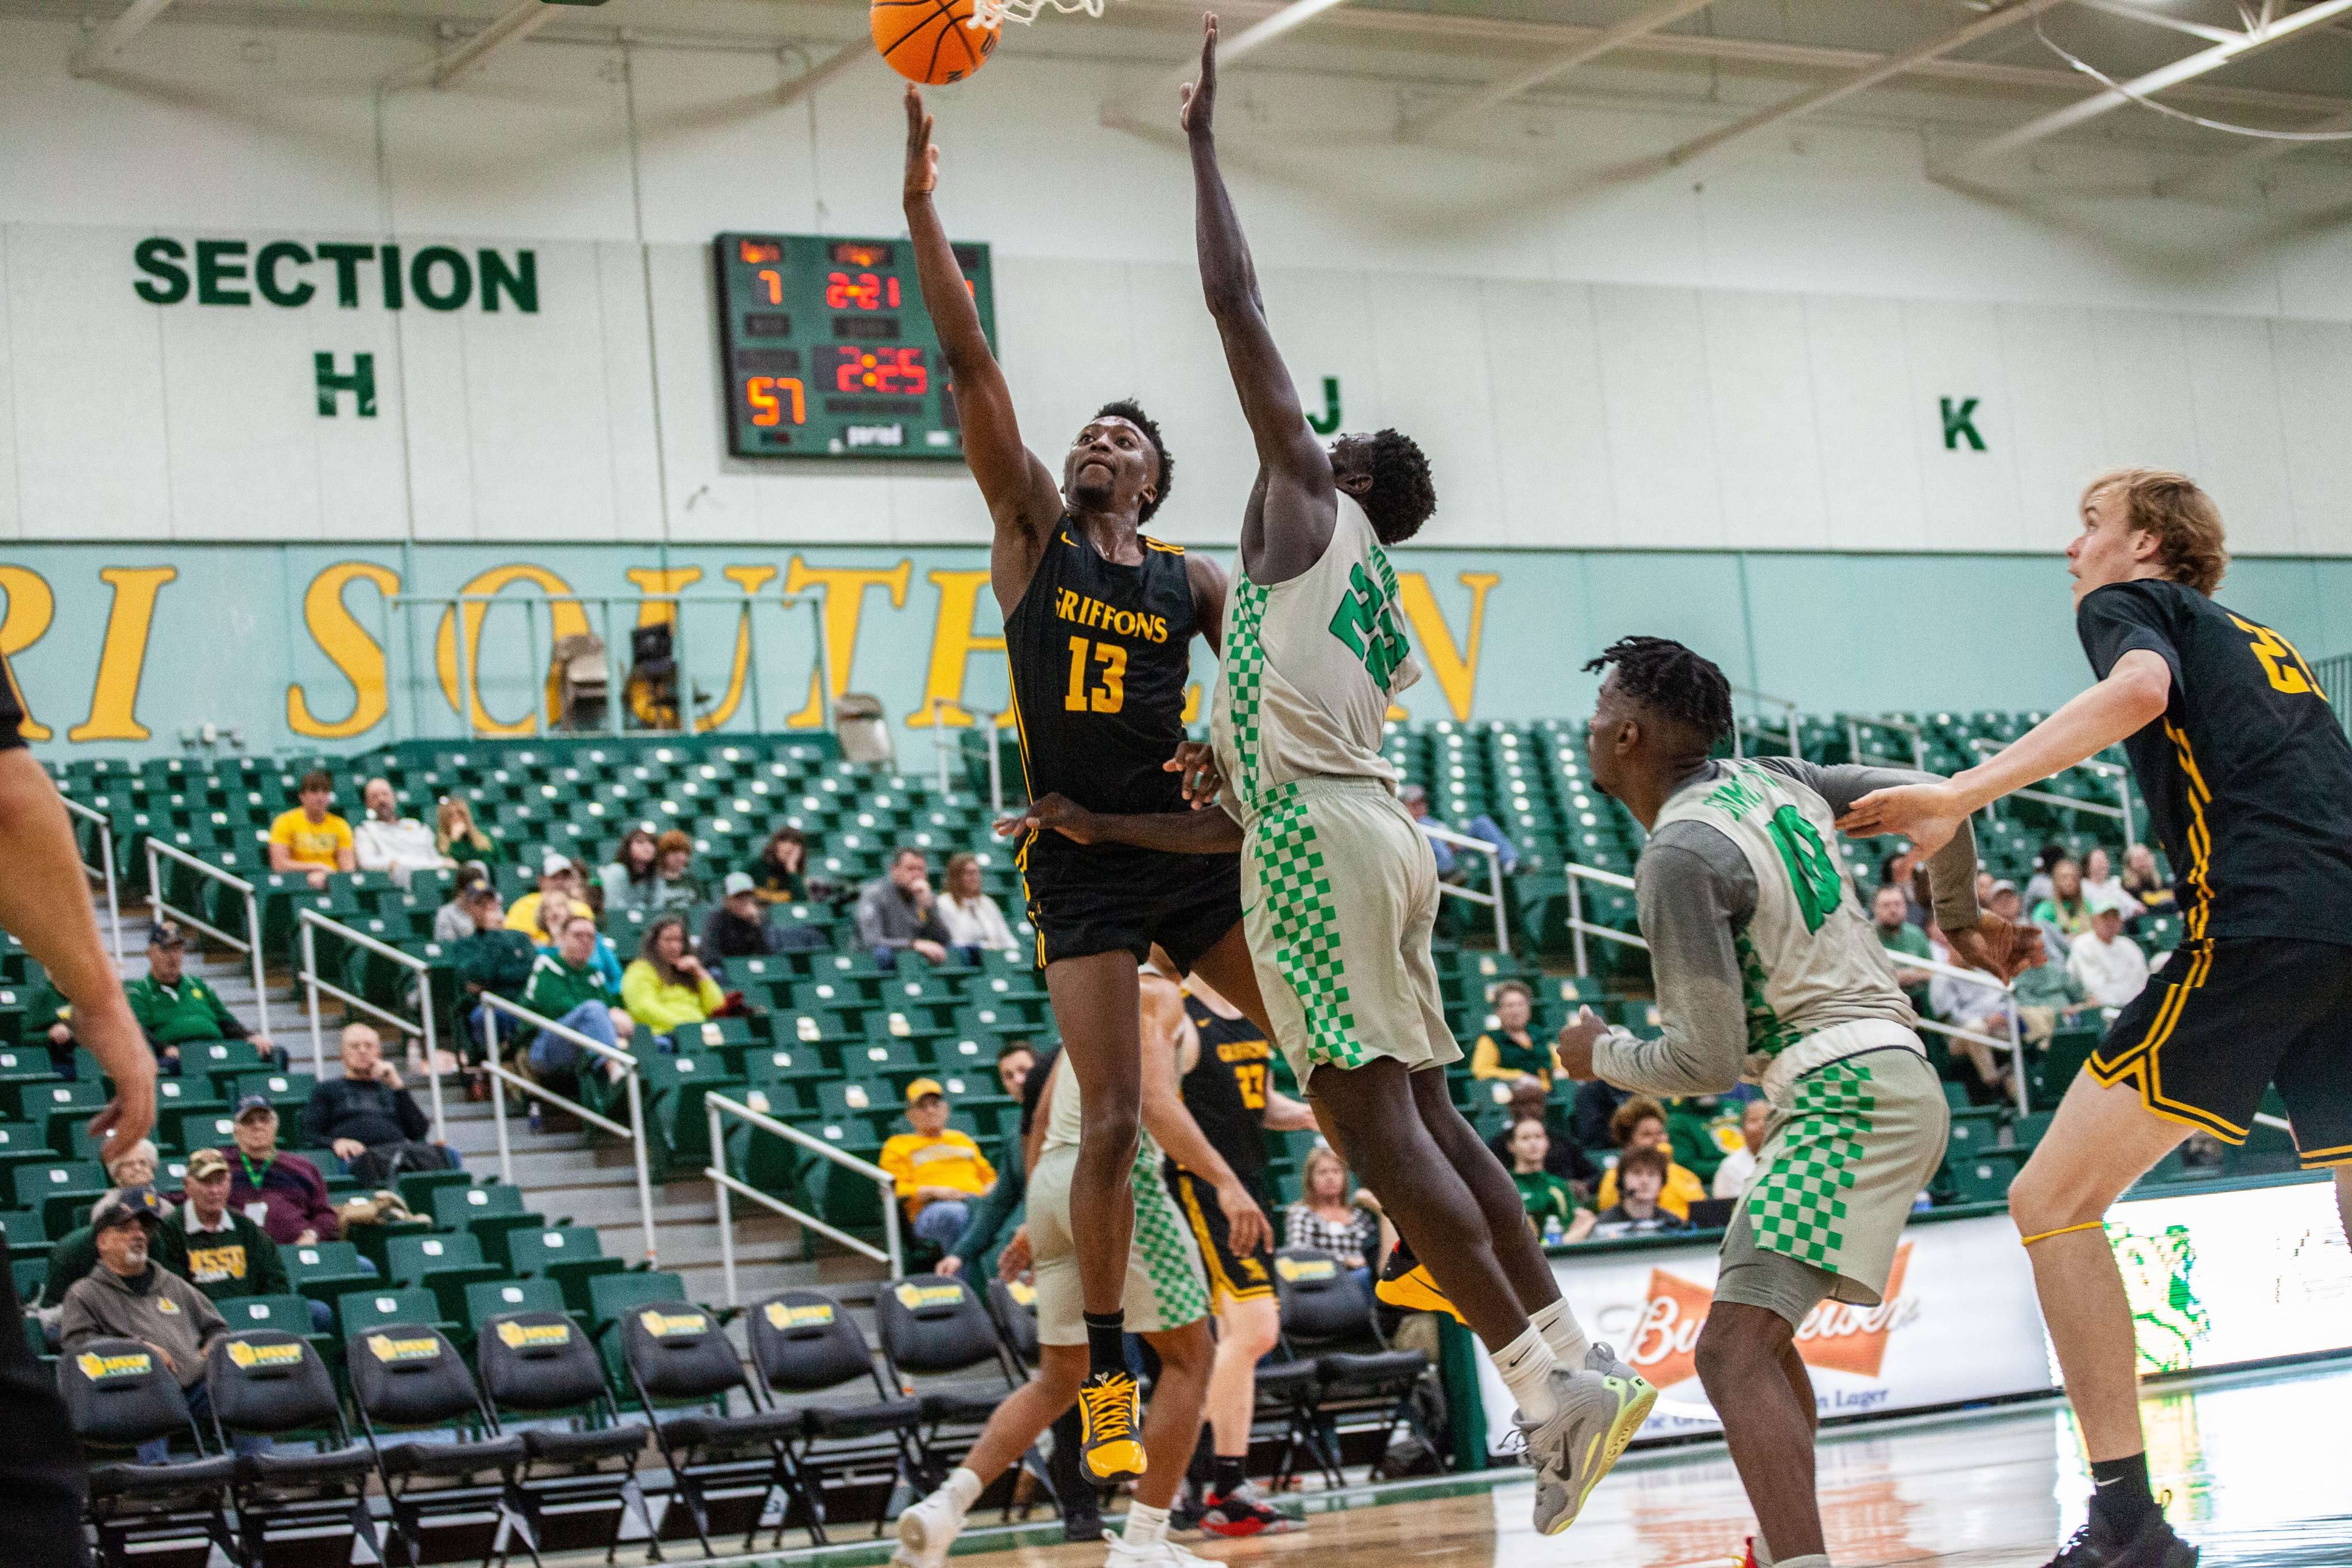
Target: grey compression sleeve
(1694, 888)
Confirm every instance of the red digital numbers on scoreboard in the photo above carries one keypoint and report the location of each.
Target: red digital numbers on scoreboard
(776, 399)
(863, 291)
(898, 373)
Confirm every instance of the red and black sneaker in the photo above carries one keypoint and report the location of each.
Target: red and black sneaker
(1239, 1512)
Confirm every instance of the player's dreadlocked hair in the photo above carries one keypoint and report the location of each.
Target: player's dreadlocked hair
(1127, 409)
(1670, 679)
(1403, 496)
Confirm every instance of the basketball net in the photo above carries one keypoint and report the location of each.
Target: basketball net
(987, 13)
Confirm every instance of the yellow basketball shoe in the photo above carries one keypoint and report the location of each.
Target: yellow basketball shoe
(1406, 1285)
(1109, 1421)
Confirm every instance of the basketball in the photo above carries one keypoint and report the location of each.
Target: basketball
(929, 41)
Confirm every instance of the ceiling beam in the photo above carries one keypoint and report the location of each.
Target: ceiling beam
(100, 50)
(825, 70)
(527, 16)
(1640, 25)
(1843, 87)
(2131, 12)
(2279, 31)
(2265, 151)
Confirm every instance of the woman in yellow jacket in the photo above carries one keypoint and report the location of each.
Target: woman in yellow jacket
(1641, 1124)
(1508, 1053)
(667, 988)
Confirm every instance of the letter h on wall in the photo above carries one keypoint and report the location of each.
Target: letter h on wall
(332, 385)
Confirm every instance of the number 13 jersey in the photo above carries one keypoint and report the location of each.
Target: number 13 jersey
(1100, 655)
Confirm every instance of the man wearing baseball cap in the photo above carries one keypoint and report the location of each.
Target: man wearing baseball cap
(938, 1169)
(128, 1297)
(177, 1008)
(556, 874)
(283, 1193)
(2106, 963)
(223, 1253)
(738, 927)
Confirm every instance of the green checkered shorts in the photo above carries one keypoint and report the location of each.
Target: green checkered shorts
(1835, 1181)
(1166, 1288)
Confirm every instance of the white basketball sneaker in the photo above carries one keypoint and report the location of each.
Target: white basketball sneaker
(1598, 1410)
(927, 1530)
(1153, 1554)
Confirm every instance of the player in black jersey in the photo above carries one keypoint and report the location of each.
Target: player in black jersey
(1099, 622)
(2247, 781)
(1227, 1087)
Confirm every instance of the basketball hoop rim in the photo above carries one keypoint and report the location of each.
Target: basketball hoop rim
(991, 14)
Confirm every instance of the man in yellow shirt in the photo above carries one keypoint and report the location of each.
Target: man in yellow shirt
(939, 1170)
(311, 838)
(556, 874)
(1641, 1124)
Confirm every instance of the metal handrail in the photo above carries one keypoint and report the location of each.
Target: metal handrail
(311, 922)
(717, 1106)
(104, 870)
(1493, 896)
(1783, 704)
(2120, 773)
(1579, 927)
(249, 943)
(494, 1004)
(616, 692)
(1854, 722)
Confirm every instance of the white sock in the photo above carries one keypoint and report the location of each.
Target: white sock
(1818, 1560)
(1526, 1366)
(1148, 1526)
(963, 1489)
(1560, 1330)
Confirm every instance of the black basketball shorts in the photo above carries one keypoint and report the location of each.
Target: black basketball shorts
(1087, 903)
(2222, 1021)
(1233, 1276)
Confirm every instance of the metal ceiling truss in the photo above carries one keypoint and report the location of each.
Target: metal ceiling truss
(101, 47)
(1640, 24)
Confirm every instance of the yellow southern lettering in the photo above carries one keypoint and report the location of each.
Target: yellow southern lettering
(655, 609)
(565, 618)
(95, 1366)
(124, 656)
(31, 608)
(844, 603)
(357, 656)
(787, 1317)
(954, 643)
(1456, 667)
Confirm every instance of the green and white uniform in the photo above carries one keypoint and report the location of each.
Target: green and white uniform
(1166, 1286)
(1767, 970)
(1308, 668)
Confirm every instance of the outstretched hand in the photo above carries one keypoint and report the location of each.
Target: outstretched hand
(1197, 761)
(1927, 814)
(922, 158)
(1201, 95)
(1996, 946)
(1058, 812)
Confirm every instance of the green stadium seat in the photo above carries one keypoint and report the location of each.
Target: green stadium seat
(361, 1312)
(496, 1298)
(448, 1264)
(327, 1270)
(21, 1142)
(571, 1255)
(1981, 1176)
(489, 1211)
(612, 1296)
(288, 1314)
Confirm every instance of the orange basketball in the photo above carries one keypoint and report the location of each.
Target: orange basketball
(928, 41)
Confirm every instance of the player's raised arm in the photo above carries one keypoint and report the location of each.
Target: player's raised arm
(1296, 472)
(1022, 495)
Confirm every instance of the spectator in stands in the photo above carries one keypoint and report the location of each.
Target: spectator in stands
(1508, 1054)
(128, 1297)
(176, 1009)
(369, 1118)
(1588, 1118)
(2064, 912)
(896, 911)
(632, 877)
(780, 873)
(287, 1188)
(1563, 1156)
(1451, 867)
(48, 1017)
(1981, 1007)
(310, 839)
(1644, 1209)
(2106, 963)
(2144, 882)
(223, 1253)
(974, 925)
(387, 841)
(495, 960)
(1549, 1201)
(556, 874)
(554, 914)
(674, 886)
(456, 834)
(453, 921)
(1890, 922)
(1902, 871)
(2045, 862)
(2046, 995)
(666, 988)
(568, 986)
(997, 1213)
(939, 1169)
(1324, 1220)
(2098, 876)
(1732, 1175)
(1692, 1122)
(738, 926)
(75, 1253)
(1641, 1124)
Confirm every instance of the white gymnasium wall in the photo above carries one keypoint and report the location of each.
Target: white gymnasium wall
(1750, 355)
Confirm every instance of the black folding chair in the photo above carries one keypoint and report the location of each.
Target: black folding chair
(724, 1468)
(580, 1466)
(1015, 1308)
(935, 1326)
(294, 1509)
(1363, 1388)
(118, 1396)
(451, 1500)
(850, 1456)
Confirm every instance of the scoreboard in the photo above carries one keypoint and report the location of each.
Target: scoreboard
(828, 353)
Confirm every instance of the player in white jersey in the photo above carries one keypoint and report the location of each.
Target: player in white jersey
(1166, 1298)
(1313, 652)
(1767, 970)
